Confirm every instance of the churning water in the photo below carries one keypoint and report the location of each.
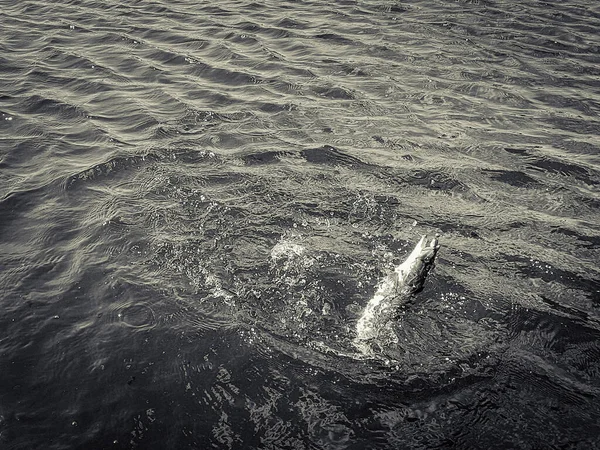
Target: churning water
(198, 198)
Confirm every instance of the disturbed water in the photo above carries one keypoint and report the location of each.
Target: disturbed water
(197, 200)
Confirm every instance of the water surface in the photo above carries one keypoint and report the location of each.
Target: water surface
(197, 199)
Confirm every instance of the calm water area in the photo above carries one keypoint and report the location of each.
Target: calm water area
(198, 199)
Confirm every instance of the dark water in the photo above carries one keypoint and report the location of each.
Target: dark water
(198, 199)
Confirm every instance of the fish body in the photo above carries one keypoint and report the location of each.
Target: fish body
(406, 280)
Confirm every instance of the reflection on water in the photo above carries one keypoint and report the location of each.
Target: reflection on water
(198, 200)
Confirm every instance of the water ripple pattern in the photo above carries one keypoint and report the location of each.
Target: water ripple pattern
(198, 199)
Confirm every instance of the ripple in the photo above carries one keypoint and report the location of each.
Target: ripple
(332, 156)
(198, 200)
(513, 178)
(107, 169)
(139, 316)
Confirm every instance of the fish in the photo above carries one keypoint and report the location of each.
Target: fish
(394, 290)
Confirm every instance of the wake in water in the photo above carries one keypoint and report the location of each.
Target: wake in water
(373, 328)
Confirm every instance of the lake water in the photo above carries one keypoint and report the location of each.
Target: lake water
(197, 200)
